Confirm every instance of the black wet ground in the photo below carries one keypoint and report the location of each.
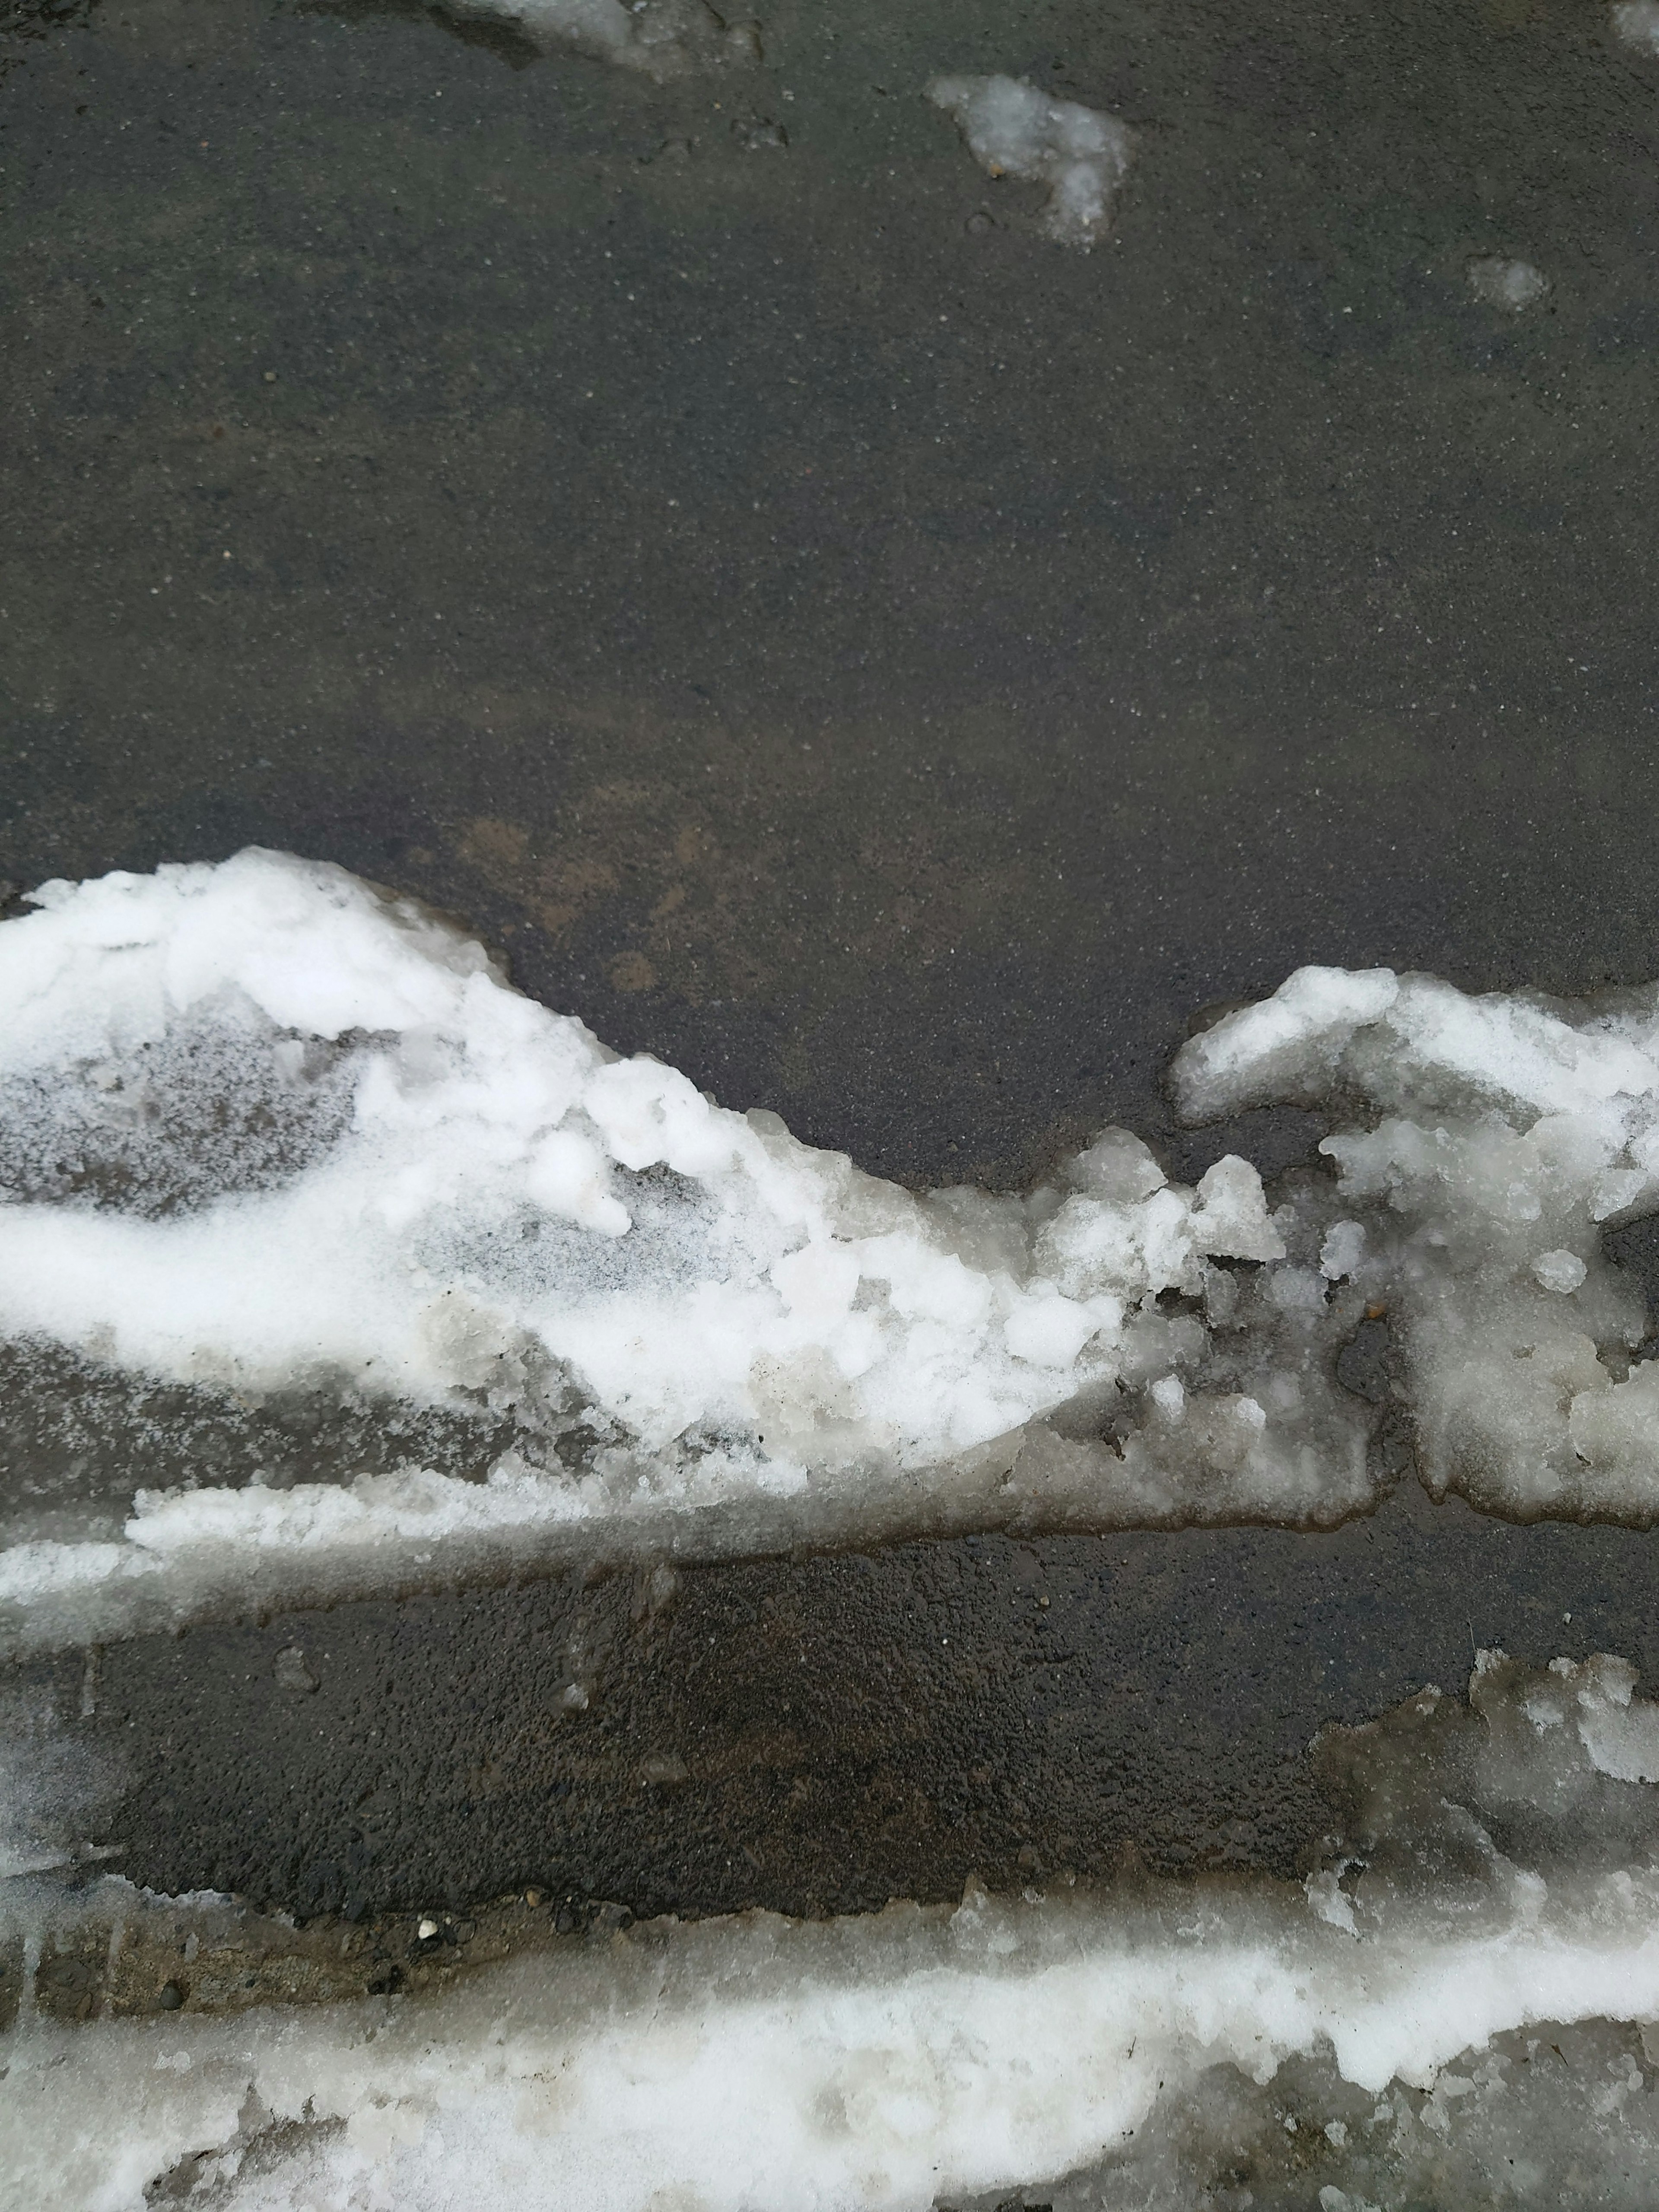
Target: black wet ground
(898, 671)
(821, 1735)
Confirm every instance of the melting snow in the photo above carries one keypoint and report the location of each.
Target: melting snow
(919, 2056)
(1511, 285)
(662, 37)
(1014, 130)
(271, 1139)
(1637, 22)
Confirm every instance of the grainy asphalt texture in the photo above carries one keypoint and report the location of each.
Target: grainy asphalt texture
(892, 667)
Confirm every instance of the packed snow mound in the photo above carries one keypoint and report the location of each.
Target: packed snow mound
(329, 1261)
(272, 1137)
(1014, 130)
(1498, 1881)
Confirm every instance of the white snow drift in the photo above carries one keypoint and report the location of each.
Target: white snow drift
(265, 1131)
(266, 1134)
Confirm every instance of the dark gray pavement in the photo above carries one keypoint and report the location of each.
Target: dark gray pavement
(819, 1735)
(899, 672)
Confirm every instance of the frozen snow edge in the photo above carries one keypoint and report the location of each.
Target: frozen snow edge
(236, 1555)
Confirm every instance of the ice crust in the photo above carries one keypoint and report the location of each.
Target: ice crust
(296, 1151)
(921, 2056)
(1011, 129)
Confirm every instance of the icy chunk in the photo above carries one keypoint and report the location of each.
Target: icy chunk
(1342, 1250)
(1559, 1271)
(1229, 1220)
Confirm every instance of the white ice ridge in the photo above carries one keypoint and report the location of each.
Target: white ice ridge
(272, 1137)
(662, 37)
(1014, 130)
(896, 2062)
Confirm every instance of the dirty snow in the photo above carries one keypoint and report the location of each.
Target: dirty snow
(297, 1154)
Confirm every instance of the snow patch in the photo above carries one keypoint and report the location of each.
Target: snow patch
(1014, 130)
(294, 1153)
(271, 1137)
(660, 37)
(1637, 22)
(1505, 1132)
(1512, 285)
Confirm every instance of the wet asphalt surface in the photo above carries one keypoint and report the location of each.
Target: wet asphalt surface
(899, 672)
(819, 1735)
